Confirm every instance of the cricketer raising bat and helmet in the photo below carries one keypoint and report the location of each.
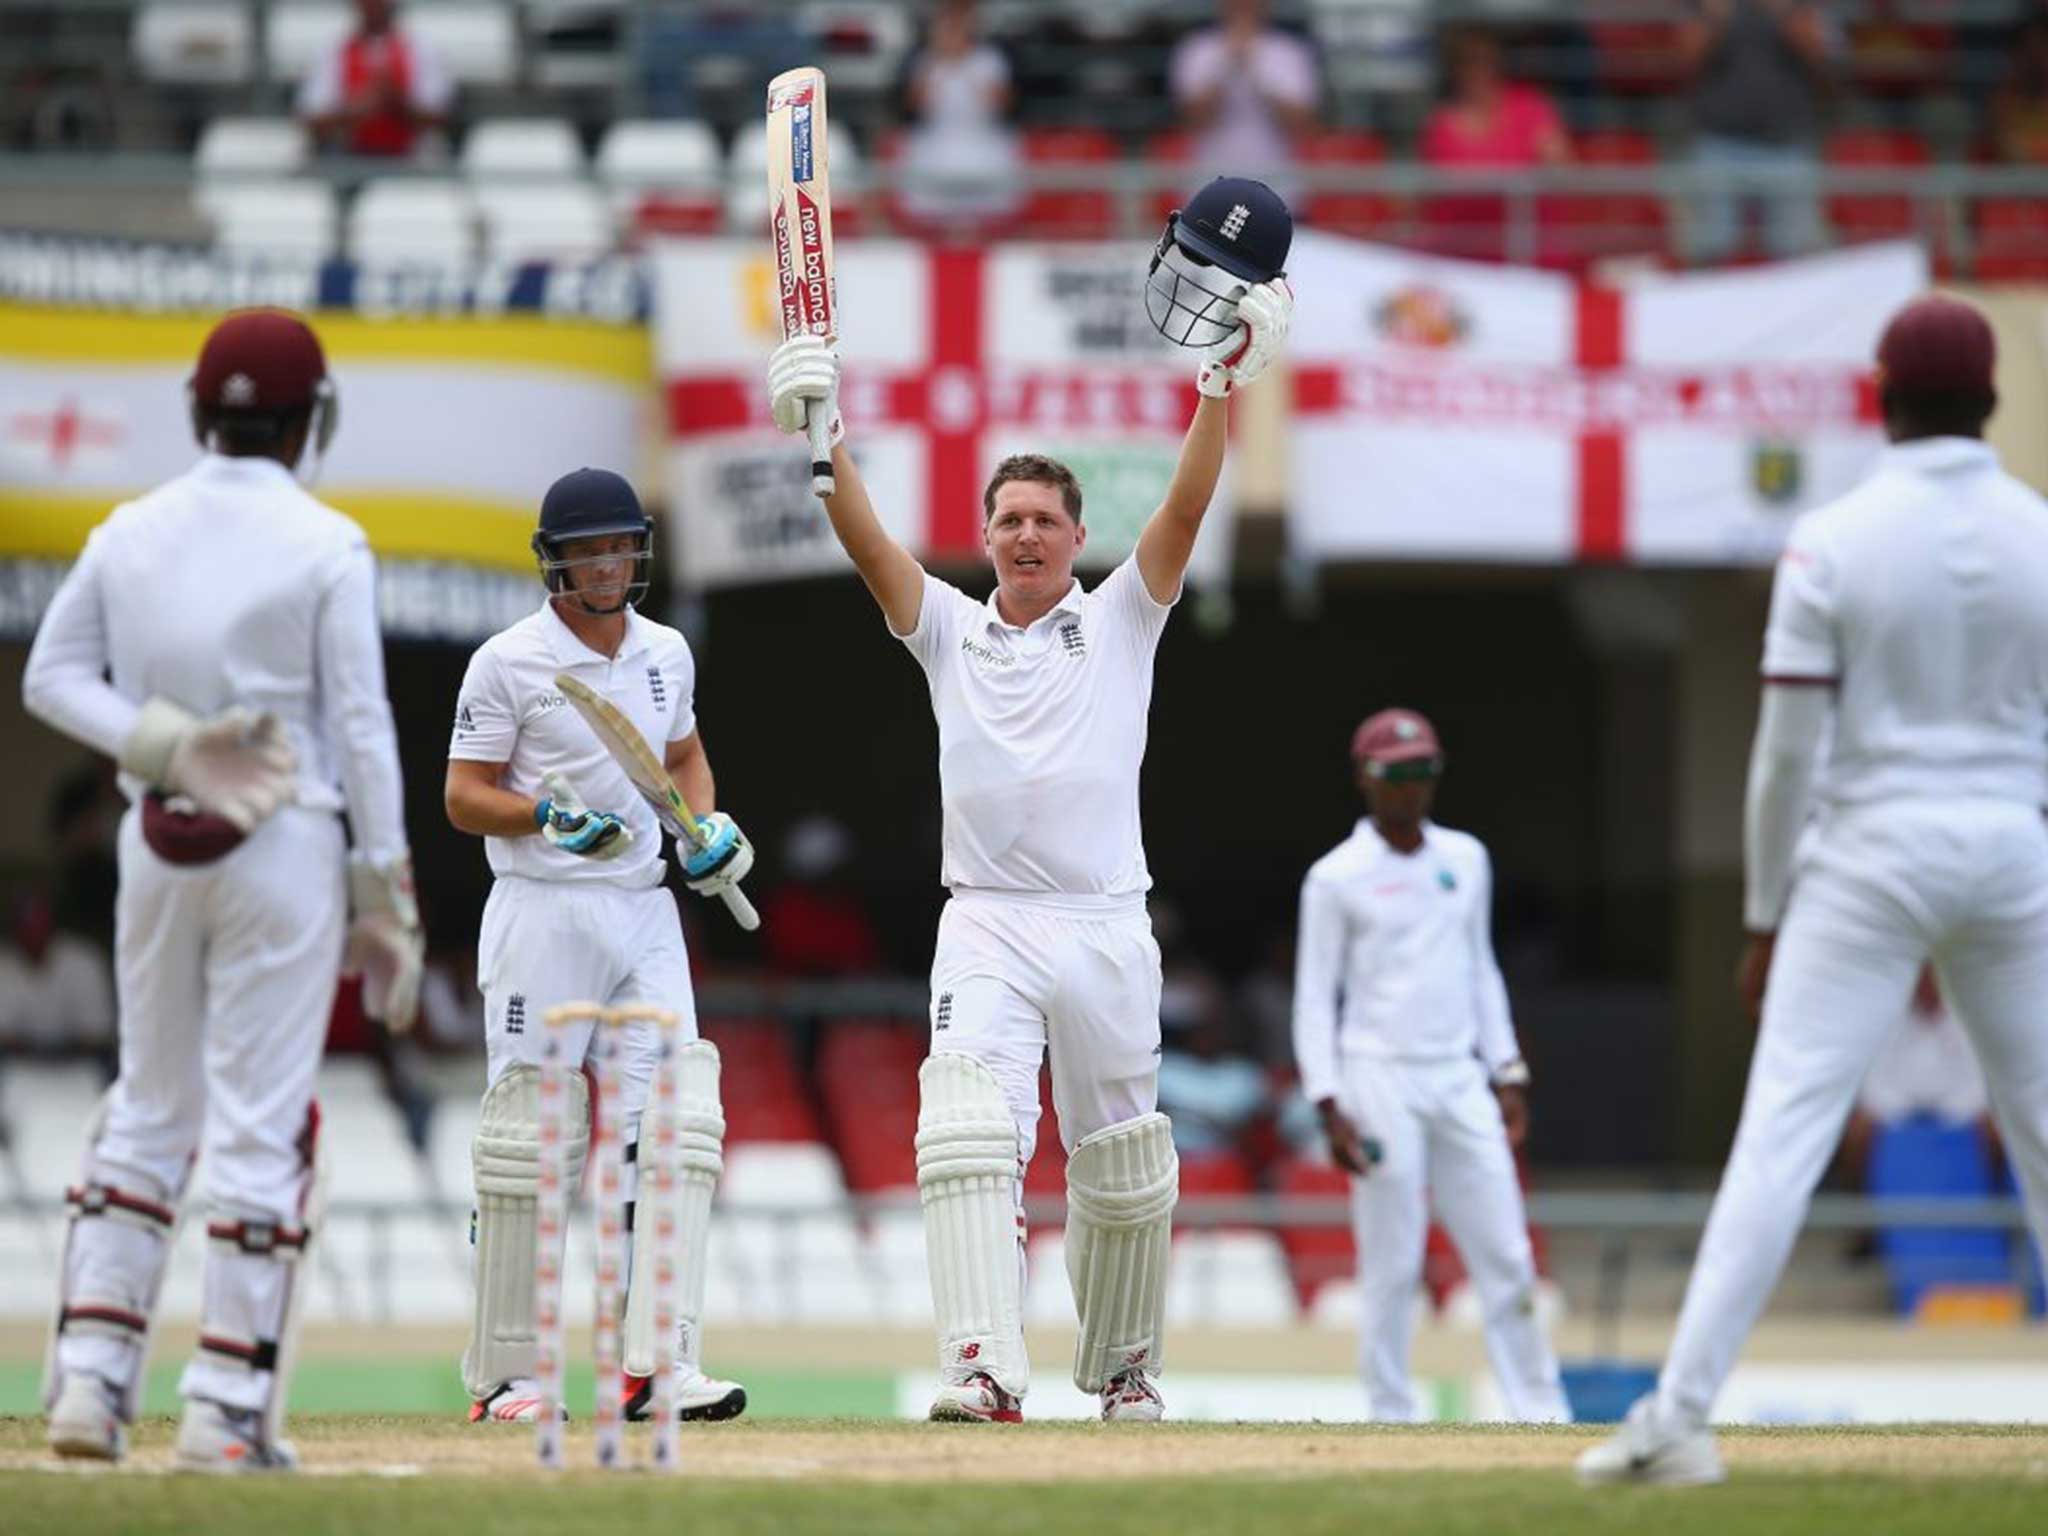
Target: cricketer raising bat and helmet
(800, 225)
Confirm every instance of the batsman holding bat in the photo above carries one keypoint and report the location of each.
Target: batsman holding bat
(578, 913)
(1041, 695)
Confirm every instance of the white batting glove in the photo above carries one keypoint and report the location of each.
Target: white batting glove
(803, 369)
(1264, 314)
(570, 825)
(237, 765)
(385, 944)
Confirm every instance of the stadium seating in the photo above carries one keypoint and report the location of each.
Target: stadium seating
(746, 180)
(477, 42)
(792, 1267)
(1581, 227)
(1072, 213)
(422, 223)
(1362, 215)
(2012, 239)
(1319, 1257)
(1858, 216)
(179, 43)
(261, 216)
(544, 221)
(765, 1096)
(1229, 1280)
(251, 146)
(296, 36)
(521, 148)
(663, 177)
(860, 44)
(867, 1075)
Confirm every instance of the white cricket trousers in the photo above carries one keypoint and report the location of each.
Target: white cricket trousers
(1885, 888)
(1014, 979)
(1442, 1141)
(225, 975)
(548, 942)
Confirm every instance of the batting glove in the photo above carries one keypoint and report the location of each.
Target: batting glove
(572, 826)
(803, 369)
(237, 765)
(724, 859)
(1264, 314)
(385, 945)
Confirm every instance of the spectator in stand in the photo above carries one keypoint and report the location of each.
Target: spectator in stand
(56, 991)
(1761, 73)
(1485, 122)
(812, 926)
(960, 159)
(379, 93)
(2019, 112)
(1246, 90)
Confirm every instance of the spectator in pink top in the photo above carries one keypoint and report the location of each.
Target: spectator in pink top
(1485, 122)
(1246, 90)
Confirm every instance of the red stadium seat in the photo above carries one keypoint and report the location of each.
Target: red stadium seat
(1175, 150)
(867, 1076)
(1069, 213)
(2012, 239)
(1364, 215)
(1637, 57)
(1862, 216)
(1579, 227)
(1316, 1255)
(764, 1094)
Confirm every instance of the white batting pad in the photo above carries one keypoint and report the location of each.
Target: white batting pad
(967, 1177)
(700, 1154)
(506, 1157)
(1122, 1183)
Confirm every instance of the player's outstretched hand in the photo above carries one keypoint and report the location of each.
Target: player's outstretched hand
(803, 369)
(385, 944)
(570, 825)
(238, 765)
(722, 862)
(1264, 314)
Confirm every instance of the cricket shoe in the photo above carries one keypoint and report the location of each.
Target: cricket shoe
(1650, 1449)
(977, 1400)
(213, 1437)
(85, 1423)
(515, 1402)
(1130, 1398)
(700, 1399)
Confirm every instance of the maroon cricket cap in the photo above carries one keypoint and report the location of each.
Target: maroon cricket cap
(1395, 736)
(259, 360)
(1938, 345)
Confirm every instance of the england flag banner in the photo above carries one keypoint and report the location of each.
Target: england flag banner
(953, 358)
(1454, 410)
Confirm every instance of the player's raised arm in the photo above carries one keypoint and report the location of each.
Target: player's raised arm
(1215, 286)
(804, 369)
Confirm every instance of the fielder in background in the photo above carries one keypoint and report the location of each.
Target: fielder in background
(218, 637)
(1905, 692)
(578, 913)
(1041, 695)
(1405, 1048)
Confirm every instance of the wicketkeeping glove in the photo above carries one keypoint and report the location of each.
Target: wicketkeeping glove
(1264, 313)
(573, 827)
(802, 369)
(385, 944)
(238, 765)
(724, 859)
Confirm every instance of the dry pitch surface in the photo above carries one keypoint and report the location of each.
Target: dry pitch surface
(395, 1476)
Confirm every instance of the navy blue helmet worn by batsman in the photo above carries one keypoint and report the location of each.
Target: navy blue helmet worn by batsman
(1232, 234)
(592, 504)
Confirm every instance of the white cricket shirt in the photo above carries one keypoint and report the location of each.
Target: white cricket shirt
(1394, 957)
(1923, 594)
(510, 712)
(1041, 735)
(231, 585)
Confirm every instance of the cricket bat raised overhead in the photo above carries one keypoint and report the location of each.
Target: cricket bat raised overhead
(622, 739)
(800, 226)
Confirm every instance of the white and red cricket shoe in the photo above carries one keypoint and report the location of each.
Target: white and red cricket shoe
(977, 1400)
(1130, 1398)
(515, 1402)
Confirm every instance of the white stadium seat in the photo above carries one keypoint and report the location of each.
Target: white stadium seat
(897, 1269)
(48, 1107)
(746, 173)
(477, 43)
(1229, 1279)
(194, 44)
(251, 146)
(860, 44)
(401, 221)
(1048, 1293)
(544, 221)
(659, 154)
(294, 220)
(510, 147)
(300, 33)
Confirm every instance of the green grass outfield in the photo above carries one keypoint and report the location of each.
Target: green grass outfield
(790, 1477)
